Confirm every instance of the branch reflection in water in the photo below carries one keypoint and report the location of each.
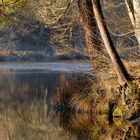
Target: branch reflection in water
(45, 106)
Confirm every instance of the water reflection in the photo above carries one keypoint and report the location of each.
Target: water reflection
(27, 111)
(25, 105)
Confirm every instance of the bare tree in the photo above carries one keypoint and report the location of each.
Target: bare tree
(48, 11)
(120, 69)
(98, 57)
(90, 27)
(133, 7)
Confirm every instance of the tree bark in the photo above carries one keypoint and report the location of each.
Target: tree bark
(120, 69)
(136, 4)
(133, 7)
(130, 9)
(92, 38)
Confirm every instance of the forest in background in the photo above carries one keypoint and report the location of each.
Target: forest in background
(51, 30)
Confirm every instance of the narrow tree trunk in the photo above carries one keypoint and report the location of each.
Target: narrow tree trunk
(136, 4)
(90, 27)
(133, 7)
(130, 8)
(122, 74)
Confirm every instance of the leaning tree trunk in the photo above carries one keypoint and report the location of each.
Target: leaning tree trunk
(136, 4)
(92, 38)
(133, 7)
(121, 72)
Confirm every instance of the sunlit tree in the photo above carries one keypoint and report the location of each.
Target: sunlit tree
(119, 67)
(133, 7)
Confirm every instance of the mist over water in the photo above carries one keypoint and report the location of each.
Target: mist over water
(48, 67)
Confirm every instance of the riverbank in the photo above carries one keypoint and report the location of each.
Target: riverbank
(38, 56)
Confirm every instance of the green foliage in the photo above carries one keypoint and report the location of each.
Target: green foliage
(119, 111)
(119, 115)
(121, 124)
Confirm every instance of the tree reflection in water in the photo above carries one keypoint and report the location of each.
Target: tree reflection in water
(28, 109)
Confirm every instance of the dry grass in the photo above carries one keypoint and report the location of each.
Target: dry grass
(94, 97)
(75, 95)
(133, 68)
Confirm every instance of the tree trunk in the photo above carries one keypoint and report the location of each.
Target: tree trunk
(136, 4)
(130, 8)
(90, 27)
(133, 7)
(121, 72)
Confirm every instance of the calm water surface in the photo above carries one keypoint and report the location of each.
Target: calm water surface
(26, 106)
